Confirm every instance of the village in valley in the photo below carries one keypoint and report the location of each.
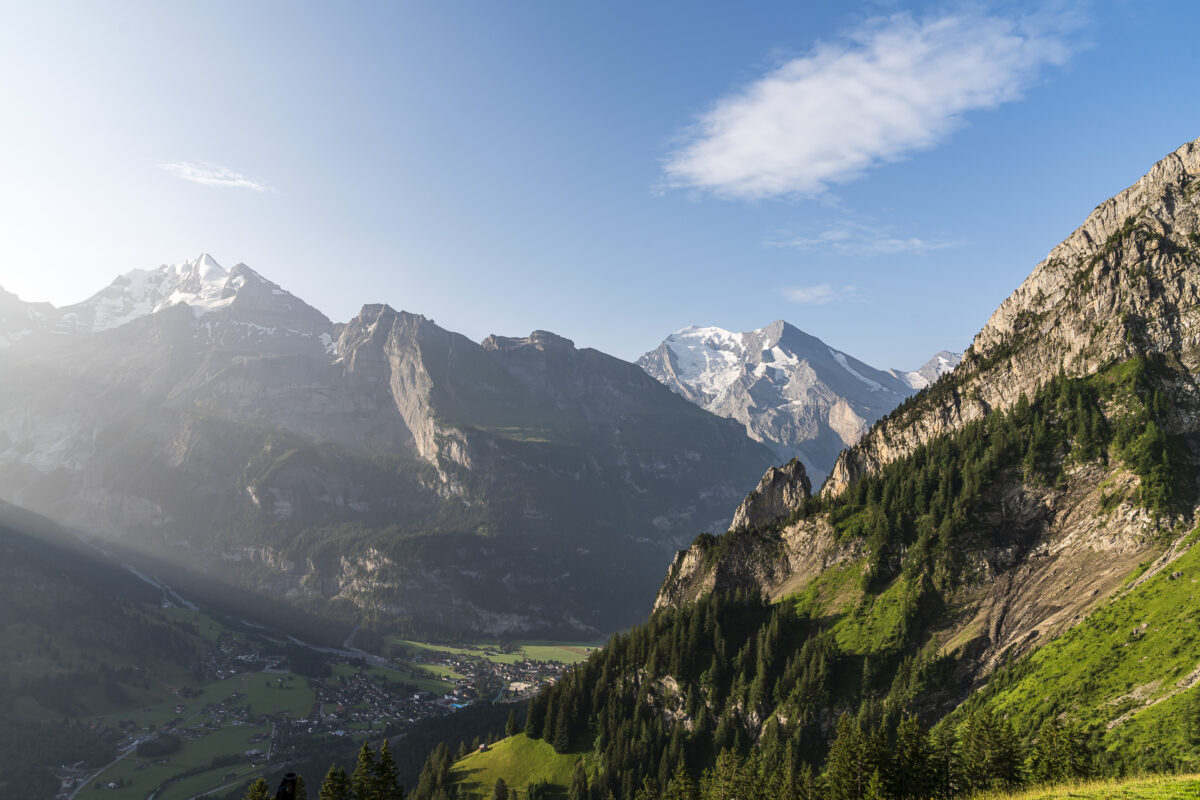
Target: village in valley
(266, 701)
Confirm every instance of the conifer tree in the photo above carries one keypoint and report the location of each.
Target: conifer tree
(500, 790)
(943, 762)
(579, 783)
(806, 783)
(909, 777)
(364, 777)
(536, 716)
(875, 789)
(844, 778)
(510, 725)
(258, 790)
(336, 785)
(681, 785)
(301, 788)
(386, 786)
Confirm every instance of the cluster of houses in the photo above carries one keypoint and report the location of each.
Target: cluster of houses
(502, 682)
(346, 704)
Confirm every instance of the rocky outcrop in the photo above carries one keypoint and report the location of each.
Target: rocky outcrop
(1126, 281)
(781, 493)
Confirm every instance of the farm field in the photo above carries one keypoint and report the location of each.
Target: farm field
(531, 650)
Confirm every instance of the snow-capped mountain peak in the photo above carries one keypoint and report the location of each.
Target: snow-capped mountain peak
(931, 370)
(201, 283)
(792, 391)
(706, 358)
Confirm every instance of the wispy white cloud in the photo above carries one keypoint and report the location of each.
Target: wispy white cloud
(819, 294)
(213, 175)
(857, 239)
(895, 85)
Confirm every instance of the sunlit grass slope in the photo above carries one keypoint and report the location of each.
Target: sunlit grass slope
(1161, 787)
(519, 760)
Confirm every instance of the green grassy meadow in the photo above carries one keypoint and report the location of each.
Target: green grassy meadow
(519, 760)
(1098, 666)
(1158, 787)
(533, 650)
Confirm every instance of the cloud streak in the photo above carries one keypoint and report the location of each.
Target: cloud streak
(820, 294)
(856, 239)
(893, 86)
(213, 175)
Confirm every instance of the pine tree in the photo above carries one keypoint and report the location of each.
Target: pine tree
(681, 785)
(875, 789)
(301, 788)
(536, 716)
(510, 725)
(579, 783)
(909, 778)
(806, 788)
(336, 785)
(500, 790)
(258, 790)
(943, 762)
(561, 740)
(844, 778)
(364, 776)
(386, 786)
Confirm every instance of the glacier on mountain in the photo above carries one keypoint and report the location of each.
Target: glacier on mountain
(790, 390)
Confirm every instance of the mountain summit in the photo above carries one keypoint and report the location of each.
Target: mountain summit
(791, 391)
(384, 467)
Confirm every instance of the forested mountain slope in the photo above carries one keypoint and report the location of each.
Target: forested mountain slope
(995, 586)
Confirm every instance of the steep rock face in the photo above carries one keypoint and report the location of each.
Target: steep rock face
(1033, 559)
(781, 492)
(385, 467)
(790, 390)
(1125, 281)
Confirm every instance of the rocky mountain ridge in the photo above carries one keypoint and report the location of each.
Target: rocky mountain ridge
(1098, 347)
(384, 468)
(789, 389)
(1122, 282)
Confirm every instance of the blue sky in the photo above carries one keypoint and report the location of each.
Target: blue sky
(882, 176)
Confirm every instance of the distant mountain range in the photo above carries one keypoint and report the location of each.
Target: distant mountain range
(791, 391)
(384, 469)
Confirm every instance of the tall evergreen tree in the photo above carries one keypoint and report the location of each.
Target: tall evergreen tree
(386, 785)
(579, 783)
(510, 725)
(364, 778)
(681, 785)
(257, 791)
(909, 777)
(500, 790)
(336, 785)
(844, 777)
